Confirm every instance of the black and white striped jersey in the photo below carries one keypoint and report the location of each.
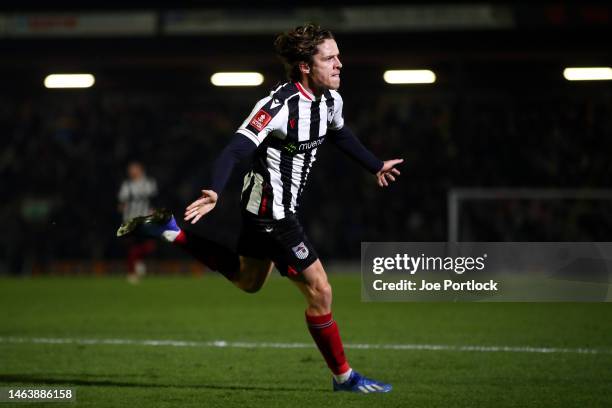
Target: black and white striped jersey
(136, 196)
(288, 127)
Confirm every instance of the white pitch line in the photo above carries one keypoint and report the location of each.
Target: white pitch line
(253, 345)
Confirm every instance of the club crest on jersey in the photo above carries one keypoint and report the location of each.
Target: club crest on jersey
(330, 114)
(260, 120)
(300, 250)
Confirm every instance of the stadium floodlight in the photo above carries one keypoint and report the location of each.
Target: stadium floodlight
(69, 81)
(588, 74)
(409, 76)
(237, 79)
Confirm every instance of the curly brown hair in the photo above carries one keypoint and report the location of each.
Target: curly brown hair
(300, 45)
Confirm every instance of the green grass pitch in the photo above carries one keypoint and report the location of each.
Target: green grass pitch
(208, 308)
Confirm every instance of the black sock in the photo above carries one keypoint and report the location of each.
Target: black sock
(212, 254)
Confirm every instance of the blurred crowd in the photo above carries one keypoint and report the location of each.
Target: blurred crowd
(64, 156)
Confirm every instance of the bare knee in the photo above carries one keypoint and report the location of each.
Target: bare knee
(253, 274)
(313, 283)
(249, 286)
(320, 297)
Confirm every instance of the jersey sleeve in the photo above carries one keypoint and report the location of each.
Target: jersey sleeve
(239, 148)
(337, 121)
(269, 114)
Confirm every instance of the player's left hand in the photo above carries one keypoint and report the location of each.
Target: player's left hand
(388, 172)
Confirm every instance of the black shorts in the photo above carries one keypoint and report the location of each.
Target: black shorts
(282, 241)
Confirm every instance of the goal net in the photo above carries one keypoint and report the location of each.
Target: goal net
(536, 215)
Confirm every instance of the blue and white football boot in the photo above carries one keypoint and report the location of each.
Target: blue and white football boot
(361, 384)
(160, 224)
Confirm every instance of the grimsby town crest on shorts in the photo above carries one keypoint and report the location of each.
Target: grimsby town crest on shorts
(300, 251)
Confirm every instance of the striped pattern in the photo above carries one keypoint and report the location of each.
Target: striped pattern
(287, 146)
(136, 197)
(320, 326)
(309, 157)
(370, 388)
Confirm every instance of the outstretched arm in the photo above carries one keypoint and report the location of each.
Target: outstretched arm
(239, 148)
(346, 141)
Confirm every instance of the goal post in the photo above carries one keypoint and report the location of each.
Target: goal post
(458, 196)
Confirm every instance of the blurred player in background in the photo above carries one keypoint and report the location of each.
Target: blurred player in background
(282, 135)
(135, 197)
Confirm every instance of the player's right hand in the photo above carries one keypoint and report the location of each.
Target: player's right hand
(201, 206)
